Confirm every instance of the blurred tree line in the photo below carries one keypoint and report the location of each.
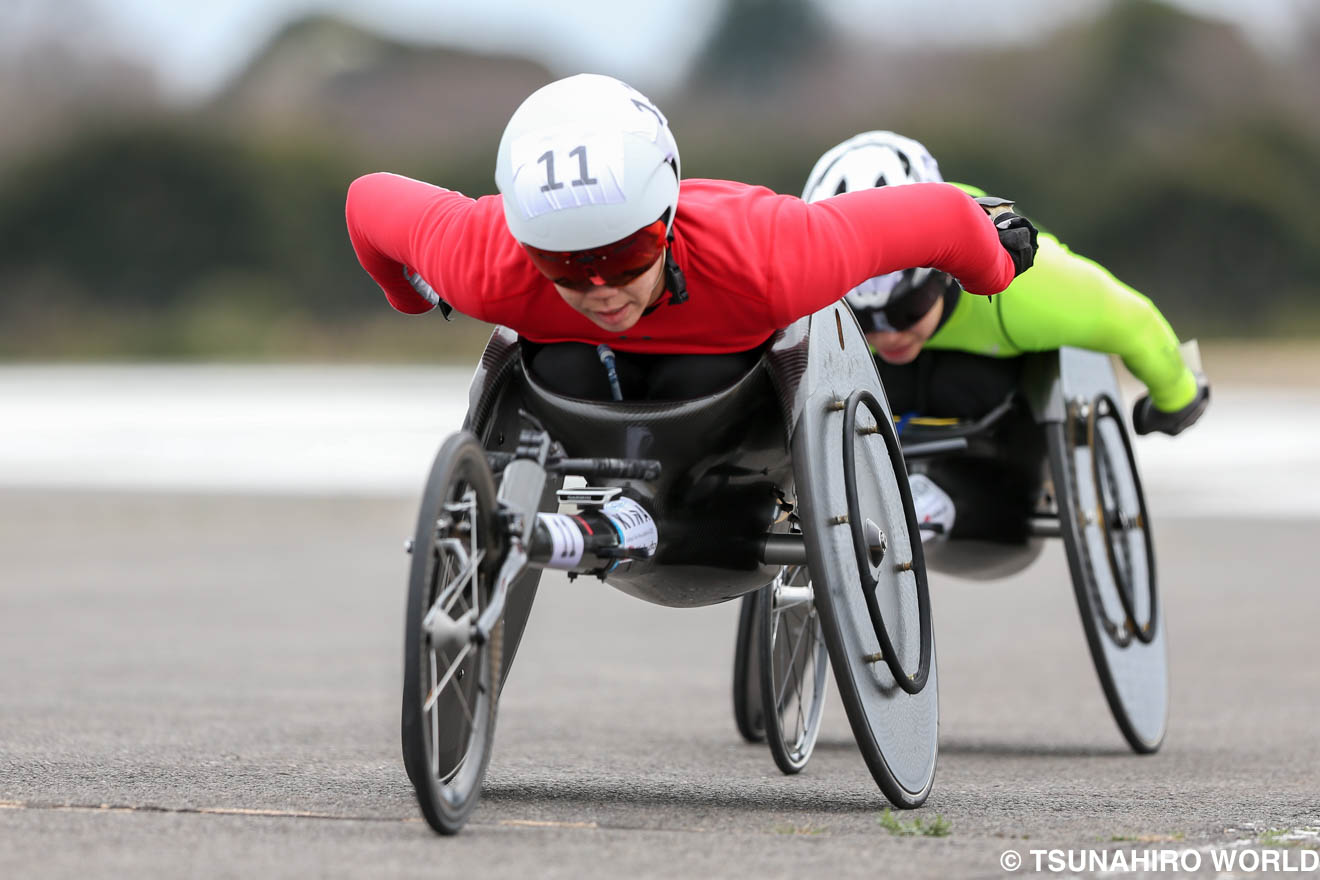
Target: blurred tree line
(1158, 143)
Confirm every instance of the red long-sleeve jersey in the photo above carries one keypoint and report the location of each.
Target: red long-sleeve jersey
(754, 260)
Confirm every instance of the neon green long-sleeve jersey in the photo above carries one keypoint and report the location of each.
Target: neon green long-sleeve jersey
(1066, 299)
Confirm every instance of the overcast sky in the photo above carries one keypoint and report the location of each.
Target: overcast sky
(195, 46)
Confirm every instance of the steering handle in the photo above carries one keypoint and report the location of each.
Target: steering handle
(612, 468)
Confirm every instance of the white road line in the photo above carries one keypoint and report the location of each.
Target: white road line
(373, 430)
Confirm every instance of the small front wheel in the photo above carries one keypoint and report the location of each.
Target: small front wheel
(451, 679)
(794, 663)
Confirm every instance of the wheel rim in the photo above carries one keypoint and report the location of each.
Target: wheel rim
(1121, 518)
(911, 683)
(796, 668)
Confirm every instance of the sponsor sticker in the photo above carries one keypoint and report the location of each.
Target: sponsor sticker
(634, 524)
(565, 540)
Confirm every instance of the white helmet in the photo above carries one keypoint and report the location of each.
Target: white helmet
(584, 162)
(872, 158)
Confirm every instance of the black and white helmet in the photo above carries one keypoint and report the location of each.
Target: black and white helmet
(871, 159)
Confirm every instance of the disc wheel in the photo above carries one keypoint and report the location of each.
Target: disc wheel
(793, 665)
(450, 680)
(1107, 539)
(748, 713)
(871, 595)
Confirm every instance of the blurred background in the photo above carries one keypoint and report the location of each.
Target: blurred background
(172, 176)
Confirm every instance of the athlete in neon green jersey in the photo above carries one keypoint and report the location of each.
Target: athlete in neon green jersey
(944, 353)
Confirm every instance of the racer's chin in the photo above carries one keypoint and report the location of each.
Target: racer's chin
(615, 320)
(894, 351)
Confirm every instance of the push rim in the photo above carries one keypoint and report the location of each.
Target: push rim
(911, 683)
(1119, 526)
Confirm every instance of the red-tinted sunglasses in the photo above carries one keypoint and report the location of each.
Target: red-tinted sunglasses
(611, 265)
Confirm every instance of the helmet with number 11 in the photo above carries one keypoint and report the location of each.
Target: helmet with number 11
(588, 170)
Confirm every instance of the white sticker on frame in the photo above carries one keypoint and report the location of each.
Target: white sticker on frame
(566, 541)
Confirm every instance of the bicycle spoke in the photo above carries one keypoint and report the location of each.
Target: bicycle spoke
(453, 667)
(433, 721)
(801, 715)
(454, 594)
(465, 705)
(466, 577)
(791, 662)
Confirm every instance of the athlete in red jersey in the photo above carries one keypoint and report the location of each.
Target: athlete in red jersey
(587, 243)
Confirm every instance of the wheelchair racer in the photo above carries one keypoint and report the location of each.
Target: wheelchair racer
(941, 353)
(593, 242)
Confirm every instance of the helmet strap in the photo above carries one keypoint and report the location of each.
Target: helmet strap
(675, 283)
(674, 280)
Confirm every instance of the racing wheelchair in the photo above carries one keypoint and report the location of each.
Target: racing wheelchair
(791, 476)
(1058, 449)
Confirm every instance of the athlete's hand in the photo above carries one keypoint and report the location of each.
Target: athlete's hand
(1016, 233)
(1018, 237)
(1146, 418)
(427, 292)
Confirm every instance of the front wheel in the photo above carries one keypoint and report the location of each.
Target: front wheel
(794, 663)
(450, 680)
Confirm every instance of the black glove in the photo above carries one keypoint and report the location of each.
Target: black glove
(1016, 233)
(1018, 237)
(1147, 419)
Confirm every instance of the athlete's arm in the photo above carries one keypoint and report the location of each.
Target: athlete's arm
(819, 250)
(1067, 299)
(400, 227)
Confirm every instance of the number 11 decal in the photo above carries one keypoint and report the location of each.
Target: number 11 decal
(583, 179)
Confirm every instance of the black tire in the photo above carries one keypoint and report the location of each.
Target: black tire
(748, 712)
(793, 665)
(1112, 562)
(447, 732)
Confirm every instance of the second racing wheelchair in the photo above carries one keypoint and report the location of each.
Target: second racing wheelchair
(792, 476)
(1053, 460)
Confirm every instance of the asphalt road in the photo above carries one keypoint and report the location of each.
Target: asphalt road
(200, 685)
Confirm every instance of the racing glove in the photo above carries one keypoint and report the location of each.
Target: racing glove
(427, 292)
(1018, 237)
(1016, 233)
(1146, 418)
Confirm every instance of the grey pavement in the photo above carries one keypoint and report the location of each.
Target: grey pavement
(208, 685)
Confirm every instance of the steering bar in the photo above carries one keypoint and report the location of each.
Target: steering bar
(614, 468)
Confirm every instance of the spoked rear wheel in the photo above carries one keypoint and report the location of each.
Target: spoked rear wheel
(450, 681)
(793, 665)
